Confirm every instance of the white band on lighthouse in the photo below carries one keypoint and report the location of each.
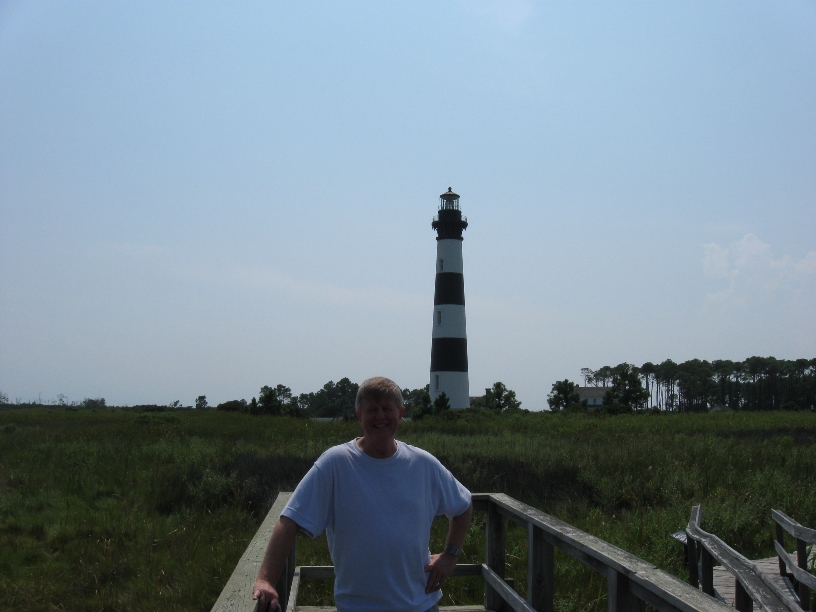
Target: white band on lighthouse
(449, 256)
(454, 384)
(449, 321)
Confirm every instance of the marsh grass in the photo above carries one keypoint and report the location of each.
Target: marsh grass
(123, 510)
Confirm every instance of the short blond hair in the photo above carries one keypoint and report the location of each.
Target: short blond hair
(377, 388)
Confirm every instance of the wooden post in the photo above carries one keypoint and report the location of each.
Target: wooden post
(618, 597)
(780, 537)
(691, 560)
(801, 561)
(495, 553)
(540, 570)
(285, 580)
(707, 578)
(742, 602)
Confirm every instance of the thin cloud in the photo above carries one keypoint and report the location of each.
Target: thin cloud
(753, 273)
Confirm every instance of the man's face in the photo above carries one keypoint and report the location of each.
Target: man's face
(380, 419)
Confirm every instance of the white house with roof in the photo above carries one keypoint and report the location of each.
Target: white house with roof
(593, 395)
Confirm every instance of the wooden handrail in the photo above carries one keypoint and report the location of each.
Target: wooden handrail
(802, 575)
(237, 593)
(798, 531)
(752, 584)
(631, 581)
(799, 570)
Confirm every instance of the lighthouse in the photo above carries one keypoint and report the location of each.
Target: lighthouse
(449, 362)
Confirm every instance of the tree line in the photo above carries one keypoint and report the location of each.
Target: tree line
(333, 400)
(336, 400)
(758, 383)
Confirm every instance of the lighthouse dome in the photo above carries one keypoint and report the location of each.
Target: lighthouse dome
(449, 200)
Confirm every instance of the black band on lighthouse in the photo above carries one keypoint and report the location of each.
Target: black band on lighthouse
(449, 288)
(449, 355)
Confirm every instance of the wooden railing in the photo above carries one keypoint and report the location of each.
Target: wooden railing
(752, 585)
(799, 570)
(631, 581)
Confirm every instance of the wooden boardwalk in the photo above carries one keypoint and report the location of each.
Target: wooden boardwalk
(632, 583)
(441, 609)
(724, 580)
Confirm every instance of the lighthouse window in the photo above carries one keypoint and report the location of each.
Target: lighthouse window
(439, 317)
(441, 264)
(436, 382)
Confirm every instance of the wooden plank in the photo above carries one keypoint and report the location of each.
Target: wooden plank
(783, 583)
(316, 572)
(540, 570)
(798, 531)
(467, 569)
(691, 562)
(618, 596)
(512, 516)
(724, 580)
(466, 608)
(599, 555)
(696, 517)
(706, 571)
(803, 576)
(757, 586)
(480, 501)
(286, 577)
(494, 555)
(293, 591)
(724, 585)
(571, 539)
(508, 595)
(666, 593)
(786, 596)
(780, 539)
(804, 585)
(742, 602)
(237, 593)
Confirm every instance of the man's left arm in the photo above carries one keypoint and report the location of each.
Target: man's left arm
(442, 564)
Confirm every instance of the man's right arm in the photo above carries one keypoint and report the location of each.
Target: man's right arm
(281, 542)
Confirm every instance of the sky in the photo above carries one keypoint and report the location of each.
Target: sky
(204, 198)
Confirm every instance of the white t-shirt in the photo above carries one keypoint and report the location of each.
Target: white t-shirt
(377, 514)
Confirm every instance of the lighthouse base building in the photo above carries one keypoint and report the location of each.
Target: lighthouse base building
(449, 363)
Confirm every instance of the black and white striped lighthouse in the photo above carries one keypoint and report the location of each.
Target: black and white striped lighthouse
(449, 362)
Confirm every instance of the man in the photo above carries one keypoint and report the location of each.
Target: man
(376, 498)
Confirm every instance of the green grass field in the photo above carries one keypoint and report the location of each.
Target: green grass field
(119, 510)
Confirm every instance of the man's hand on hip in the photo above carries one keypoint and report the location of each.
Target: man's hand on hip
(440, 567)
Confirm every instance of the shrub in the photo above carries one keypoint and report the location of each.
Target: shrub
(233, 406)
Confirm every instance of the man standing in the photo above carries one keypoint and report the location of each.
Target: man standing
(376, 498)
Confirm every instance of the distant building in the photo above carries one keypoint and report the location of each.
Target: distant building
(593, 395)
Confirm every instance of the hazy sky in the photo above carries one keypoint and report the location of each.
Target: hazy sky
(204, 198)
